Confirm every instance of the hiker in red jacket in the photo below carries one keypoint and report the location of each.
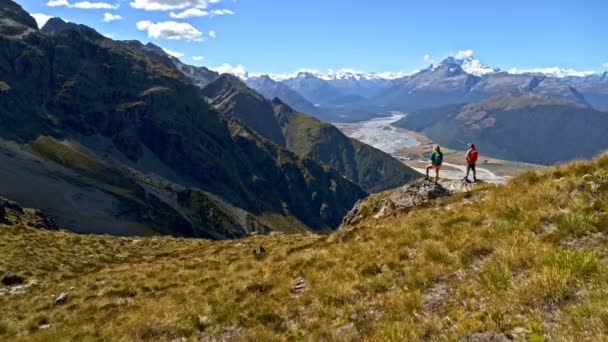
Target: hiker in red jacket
(471, 158)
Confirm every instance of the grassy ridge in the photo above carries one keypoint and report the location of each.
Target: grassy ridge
(526, 260)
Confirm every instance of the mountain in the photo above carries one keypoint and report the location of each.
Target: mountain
(471, 65)
(108, 137)
(314, 89)
(271, 89)
(370, 168)
(417, 263)
(436, 85)
(350, 108)
(363, 85)
(502, 82)
(457, 81)
(517, 126)
(232, 97)
(593, 87)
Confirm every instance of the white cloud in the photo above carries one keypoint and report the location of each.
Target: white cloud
(462, 54)
(170, 30)
(222, 12)
(605, 65)
(94, 5)
(41, 19)
(552, 71)
(54, 3)
(190, 12)
(82, 4)
(197, 58)
(236, 70)
(212, 34)
(165, 5)
(107, 17)
(173, 53)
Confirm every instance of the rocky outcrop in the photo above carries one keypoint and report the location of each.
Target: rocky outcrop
(12, 213)
(403, 199)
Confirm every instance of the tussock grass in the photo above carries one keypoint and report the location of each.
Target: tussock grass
(526, 260)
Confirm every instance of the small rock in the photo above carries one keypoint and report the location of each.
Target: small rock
(62, 298)
(488, 336)
(12, 279)
(299, 285)
(520, 331)
(259, 250)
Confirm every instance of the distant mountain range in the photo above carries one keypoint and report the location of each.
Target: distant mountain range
(452, 81)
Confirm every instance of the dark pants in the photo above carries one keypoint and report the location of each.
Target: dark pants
(471, 167)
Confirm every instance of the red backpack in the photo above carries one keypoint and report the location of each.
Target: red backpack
(473, 156)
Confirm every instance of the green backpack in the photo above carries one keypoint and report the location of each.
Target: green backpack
(437, 158)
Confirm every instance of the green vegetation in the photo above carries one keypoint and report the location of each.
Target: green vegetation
(526, 260)
(370, 168)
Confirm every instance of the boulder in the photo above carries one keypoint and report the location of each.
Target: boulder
(12, 279)
(403, 199)
(41, 221)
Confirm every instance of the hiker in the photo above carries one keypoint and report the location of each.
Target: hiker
(436, 160)
(471, 158)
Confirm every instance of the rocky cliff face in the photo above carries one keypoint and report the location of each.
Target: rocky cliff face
(80, 89)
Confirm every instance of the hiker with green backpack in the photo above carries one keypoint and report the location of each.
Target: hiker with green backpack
(436, 161)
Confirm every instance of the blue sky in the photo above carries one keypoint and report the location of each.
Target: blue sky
(274, 36)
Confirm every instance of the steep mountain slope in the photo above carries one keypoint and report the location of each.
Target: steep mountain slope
(372, 169)
(99, 108)
(232, 97)
(525, 261)
(200, 76)
(517, 126)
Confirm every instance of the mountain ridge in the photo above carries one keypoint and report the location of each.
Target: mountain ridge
(93, 108)
(372, 169)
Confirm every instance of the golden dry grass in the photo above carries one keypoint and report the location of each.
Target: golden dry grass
(527, 260)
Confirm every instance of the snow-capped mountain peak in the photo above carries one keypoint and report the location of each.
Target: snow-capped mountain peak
(470, 65)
